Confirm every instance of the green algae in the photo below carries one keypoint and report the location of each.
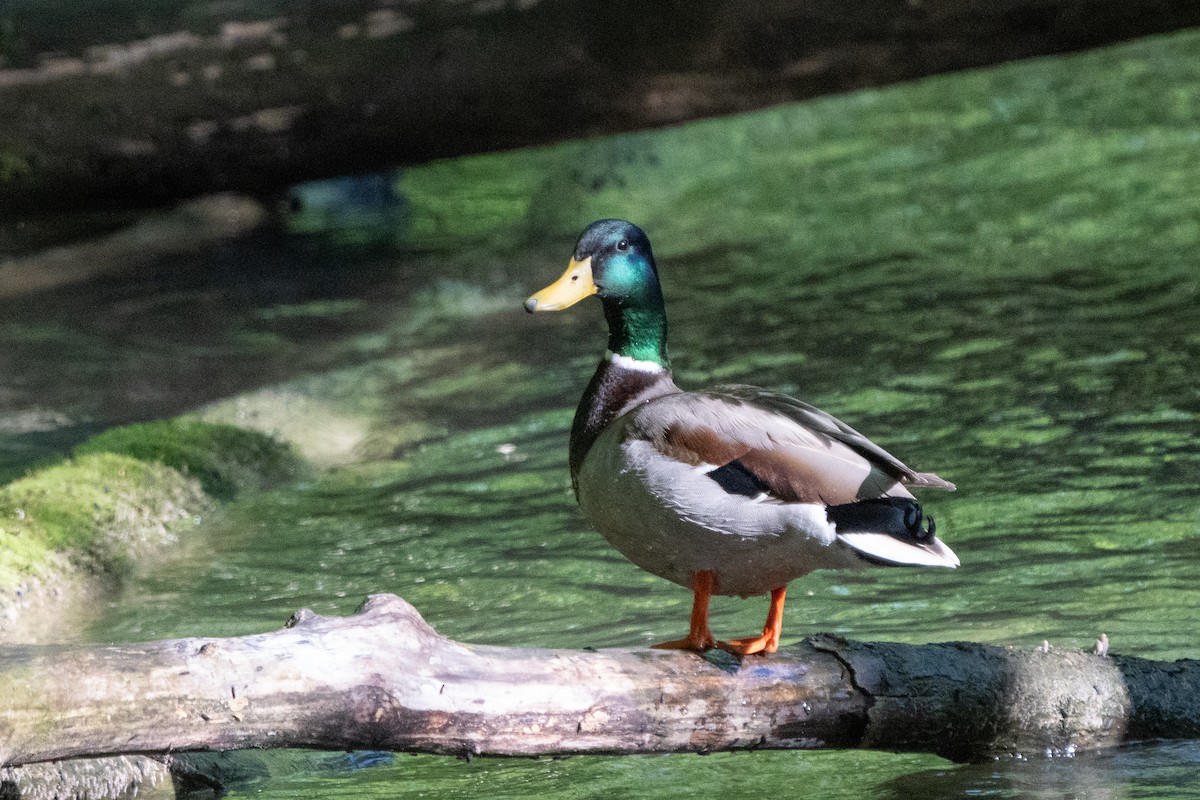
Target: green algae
(98, 510)
(122, 496)
(224, 458)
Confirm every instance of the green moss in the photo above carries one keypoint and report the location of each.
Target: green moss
(123, 493)
(22, 556)
(224, 458)
(96, 508)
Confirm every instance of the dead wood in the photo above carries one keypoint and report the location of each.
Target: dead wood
(384, 679)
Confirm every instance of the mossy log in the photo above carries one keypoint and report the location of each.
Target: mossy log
(159, 101)
(384, 679)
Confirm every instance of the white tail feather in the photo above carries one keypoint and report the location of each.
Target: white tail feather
(892, 550)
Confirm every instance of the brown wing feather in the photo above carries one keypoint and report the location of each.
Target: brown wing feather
(790, 480)
(795, 452)
(826, 424)
(697, 444)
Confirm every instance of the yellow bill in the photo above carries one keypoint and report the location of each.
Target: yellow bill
(575, 284)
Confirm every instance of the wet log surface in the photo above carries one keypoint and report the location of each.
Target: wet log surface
(193, 97)
(383, 679)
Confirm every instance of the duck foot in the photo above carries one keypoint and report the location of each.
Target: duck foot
(750, 645)
(768, 642)
(699, 637)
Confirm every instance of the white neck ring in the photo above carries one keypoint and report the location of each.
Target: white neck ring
(635, 364)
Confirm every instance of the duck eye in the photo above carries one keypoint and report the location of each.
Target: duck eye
(622, 245)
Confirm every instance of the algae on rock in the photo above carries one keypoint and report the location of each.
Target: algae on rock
(84, 522)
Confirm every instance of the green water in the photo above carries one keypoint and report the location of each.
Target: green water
(993, 274)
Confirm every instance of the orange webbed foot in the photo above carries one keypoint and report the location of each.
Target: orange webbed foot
(699, 637)
(768, 642)
(750, 645)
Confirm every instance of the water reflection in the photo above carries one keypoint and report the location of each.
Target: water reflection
(1152, 770)
(1164, 771)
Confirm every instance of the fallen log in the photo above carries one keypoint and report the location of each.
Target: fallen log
(384, 679)
(141, 107)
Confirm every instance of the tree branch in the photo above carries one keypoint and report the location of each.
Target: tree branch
(227, 97)
(383, 679)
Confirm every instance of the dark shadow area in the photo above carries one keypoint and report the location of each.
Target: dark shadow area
(261, 95)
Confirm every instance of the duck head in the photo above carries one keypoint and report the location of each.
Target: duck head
(613, 261)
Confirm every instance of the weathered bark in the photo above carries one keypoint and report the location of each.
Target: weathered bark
(383, 679)
(201, 103)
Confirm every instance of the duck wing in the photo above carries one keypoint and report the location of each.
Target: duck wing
(768, 446)
(826, 425)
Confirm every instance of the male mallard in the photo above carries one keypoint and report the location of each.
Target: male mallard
(732, 491)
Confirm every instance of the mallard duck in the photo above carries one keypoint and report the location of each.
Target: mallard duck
(731, 491)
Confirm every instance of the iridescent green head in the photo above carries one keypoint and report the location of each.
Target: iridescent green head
(613, 261)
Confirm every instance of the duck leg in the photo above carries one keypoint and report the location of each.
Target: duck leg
(699, 637)
(769, 641)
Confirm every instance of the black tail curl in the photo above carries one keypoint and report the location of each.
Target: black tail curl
(898, 517)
